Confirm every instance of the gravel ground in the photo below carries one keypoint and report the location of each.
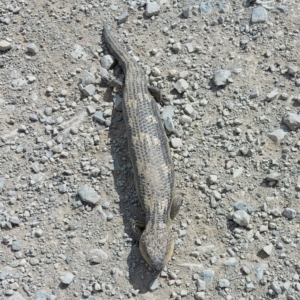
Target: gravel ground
(229, 72)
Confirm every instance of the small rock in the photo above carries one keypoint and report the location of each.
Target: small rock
(152, 8)
(89, 90)
(67, 278)
(292, 121)
(107, 61)
(153, 285)
(205, 7)
(118, 100)
(176, 143)
(277, 135)
(221, 77)
(207, 276)
(32, 48)
(88, 194)
(259, 15)
(276, 288)
(272, 95)
(185, 120)
(123, 18)
(268, 249)
(181, 85)
(186, 10)
(241, 217)
(5, 45)
(273, 176)
(16, 246)
(87, 78)
(167, 116)
(289, 213)
(223, 283)
(201, 285)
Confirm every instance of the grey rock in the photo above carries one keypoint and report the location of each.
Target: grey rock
(181, 85)
(42, 295)
(87, 78)
(186, 11)
(98, 116)
(107, 61)
(16, 246)
(259, 15)
(5, 45)
(185, 120)
(67, 278)
(292, 121)
(249, 287)
(276, 288)
(167, 116)
(259, 271)
(297, 82)
(152, 8)
(205, 7)
(221, 77)
(123, 18)
(268, 249)
(292, 70)
(34, 261)
(283, 8)
(88, 194)
(207, 276)
(241, 217)
(201, 285)
(272, 95)
(2, 63)
(176, 143)
(32, 48)
(273, 176)
(153, 285)
(277, 135)
(89, 90)
(289, 213)
(231, 262)
(222, 7)
(97, 255)
(15, 296)
(223, 283)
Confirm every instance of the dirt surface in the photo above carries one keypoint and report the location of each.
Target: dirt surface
(229, 73)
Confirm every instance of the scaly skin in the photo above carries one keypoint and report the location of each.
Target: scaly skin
(150, 157)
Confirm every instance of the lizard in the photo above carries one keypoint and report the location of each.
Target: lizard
(150, 156)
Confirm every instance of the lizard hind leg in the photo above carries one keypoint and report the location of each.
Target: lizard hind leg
(177, 203)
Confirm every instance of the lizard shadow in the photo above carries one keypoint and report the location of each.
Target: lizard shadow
(139, 275)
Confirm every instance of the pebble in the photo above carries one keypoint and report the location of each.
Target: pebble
(123, 18)
(249, 287)
(98, 116)
(241, 217)
(42, 295)
(67, 278)
(89, 90)
(5, 45)
(16, 246)
(186, 11)
(277, 135)
(259, 271)
(268, 249)
(176, 143)
(289, 213)
(154, 285)
(88, 194)
(205, 7)
(87, 78)
(185, 120)
(32, 48)
(223, 283)
(272, 95)
(201, 285)
(292, 121)
(276, 288)
(221, 77)
(167, 116)
(107, 61)
(97, 255)
(207, 276)
(181, 85)
(152, 8)
(259, 15)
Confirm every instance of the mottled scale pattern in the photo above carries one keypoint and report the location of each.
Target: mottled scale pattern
(147, 141)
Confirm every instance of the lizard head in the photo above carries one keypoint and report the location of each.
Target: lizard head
(156, 246)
